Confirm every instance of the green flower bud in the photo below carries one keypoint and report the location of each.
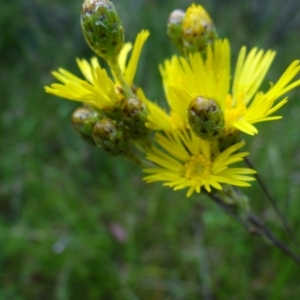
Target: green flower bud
(134, 116)
(83, 121)
(205, 118)
(110, 137)
(198, 30)
(174, 28)
(102, 28)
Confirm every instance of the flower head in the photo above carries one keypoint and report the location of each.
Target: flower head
(243, 105)
(185, 161)
(97, 88)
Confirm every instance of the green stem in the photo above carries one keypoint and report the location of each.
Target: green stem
(114, 65)
(281, 216)
(272, 238)
(133, 158)
(254, 225)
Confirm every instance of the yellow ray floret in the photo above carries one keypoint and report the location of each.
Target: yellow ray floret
(97, 88)
(242, 104)
(185, 161)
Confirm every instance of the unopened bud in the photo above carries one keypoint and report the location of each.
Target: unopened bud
(198, 30)
(102, 28)
(174, 29)
(83, 121)
(110, 137)
(205, 118)
(134, 116)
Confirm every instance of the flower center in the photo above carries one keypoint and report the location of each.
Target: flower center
(198, 168)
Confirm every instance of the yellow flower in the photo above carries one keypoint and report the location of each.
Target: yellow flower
(98, 89)
(242, 104)
(186, 161)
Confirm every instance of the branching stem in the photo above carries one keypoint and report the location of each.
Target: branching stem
(273, 203)
(254, 225)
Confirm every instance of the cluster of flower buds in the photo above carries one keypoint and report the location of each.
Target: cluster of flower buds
(114, 128)
(113, 135)
(191, 31)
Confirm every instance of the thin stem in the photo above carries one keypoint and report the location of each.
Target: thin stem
(114, 65)
(273, 203)
(133, 158)
(267, 233)
(252, 222)
(229, 210)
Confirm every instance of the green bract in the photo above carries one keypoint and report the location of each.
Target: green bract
(83, 121)
(110, 137)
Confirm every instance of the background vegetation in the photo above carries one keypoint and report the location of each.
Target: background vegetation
(78, 224)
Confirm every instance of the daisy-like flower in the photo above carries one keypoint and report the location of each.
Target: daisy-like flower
(185, 161)
(243, 105)
(98, 89)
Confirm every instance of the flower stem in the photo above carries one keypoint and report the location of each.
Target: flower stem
(254, 225)
(276, 242)
(114, 65)
(273, 203)
(228, 209)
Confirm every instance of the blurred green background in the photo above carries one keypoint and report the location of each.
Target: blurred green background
(78, 224)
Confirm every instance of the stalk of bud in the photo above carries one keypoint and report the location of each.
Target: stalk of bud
(134, 116)
(102, 28)
(225, 141)
(174, 28)
(198, 30)
(205, 118)
(108, 136)
(83, 121)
